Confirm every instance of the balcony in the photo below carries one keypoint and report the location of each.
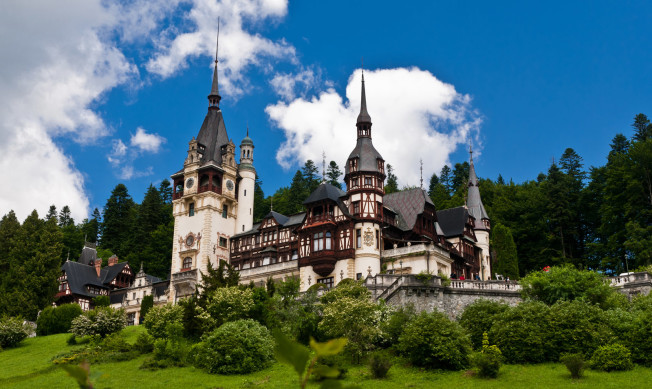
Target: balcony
(185, 275)
(210, 188)
(177, 195)
(274, 268)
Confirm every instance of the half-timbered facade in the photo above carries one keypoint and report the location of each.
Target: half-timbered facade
(85, 279)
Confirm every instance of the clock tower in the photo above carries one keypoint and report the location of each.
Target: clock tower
(205, 200)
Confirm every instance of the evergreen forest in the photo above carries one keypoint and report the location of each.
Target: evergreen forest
(591, 217)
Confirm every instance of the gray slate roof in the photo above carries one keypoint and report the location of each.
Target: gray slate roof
(280, 219)
(80, 275)
(474, 201)
(367, 154)
(407, 204)
(213, 136)
(289, 221)
(325, 191)
(88, 255)
(452, 221)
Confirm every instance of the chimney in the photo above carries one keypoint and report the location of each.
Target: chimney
(113, 260)
(98, 266)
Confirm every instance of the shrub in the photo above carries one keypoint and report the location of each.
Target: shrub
(144, 343)
(393, 326)
(568, 283)
(72, 340)
(13, 331)
(158, 319)
(229, 304)
(57, 320)
(639, 339)
(355, 319)
(523, 333)
(101, 301)
(145, 306)
(379, 364)
(612, 357)
(574, 363)
(100, 321)
(433, 341)
(347, 288)
(338, 362)
(577, 327)
(238, 347)
(488, 360)
(478, 318)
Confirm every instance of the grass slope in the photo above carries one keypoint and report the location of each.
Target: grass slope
(29, 366)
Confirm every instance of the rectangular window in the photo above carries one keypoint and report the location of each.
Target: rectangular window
(225, 211)
(318, 241)
(358, 238)
(326, 281)
(245, 192)
(368, 181)
(377, 240)
(295, 255)
(191, 209)
(358, 276)
(354, 183)
(356, 207)
(223, 242)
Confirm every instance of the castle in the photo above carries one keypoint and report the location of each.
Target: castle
(354, 234)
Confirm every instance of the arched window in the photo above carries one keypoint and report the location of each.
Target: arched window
(187, 263)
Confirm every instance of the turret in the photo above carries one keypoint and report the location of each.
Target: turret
(246, 186)
(482, 223)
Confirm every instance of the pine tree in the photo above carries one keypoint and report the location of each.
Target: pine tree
(310, 175)
(446, 179)
(52, 213)
(261, 205)
(505, 254)
(642, 127)
(165, 189)
(333, 174)
(117, 221)
(392, 182)
(91, 227)
(299, 190)
(460, 176)
(64, 217)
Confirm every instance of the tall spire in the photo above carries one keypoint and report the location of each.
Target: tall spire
(214, 98)
(473, 200)
(363, 117)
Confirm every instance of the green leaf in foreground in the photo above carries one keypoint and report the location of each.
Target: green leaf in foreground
(326, 349)
(291, 352)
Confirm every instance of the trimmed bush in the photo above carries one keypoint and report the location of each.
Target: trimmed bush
(57, 320)
(488, 361)
(13, 331)
(100, 321)
(577, 327)
(612, 357)
(230, 304)
(433, 341)
(379, 364)
(574, 363)
(238, 347)
(145, 306)
(524, 334)
(101, 301)
(144, 343)
(478, 318)
(159, 318)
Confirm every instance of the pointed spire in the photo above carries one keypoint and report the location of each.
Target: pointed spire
(473, 199)
(214, 98)
(363, 117)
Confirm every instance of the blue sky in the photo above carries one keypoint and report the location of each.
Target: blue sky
(101, 93)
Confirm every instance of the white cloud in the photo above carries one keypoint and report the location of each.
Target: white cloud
(288, 85)
(127, 172)
(415, 116)
(55, 71)
(147, 142)
(239, 47)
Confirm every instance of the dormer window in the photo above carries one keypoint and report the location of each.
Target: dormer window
(353, 164)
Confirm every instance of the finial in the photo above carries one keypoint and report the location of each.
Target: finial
(214, 98)
(68, 258)
(362, 67)
(363, 117)
(247, 127)
(421, 169)
(271, 204)
(323, 166)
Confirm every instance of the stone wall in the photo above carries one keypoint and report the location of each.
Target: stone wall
(429, 294)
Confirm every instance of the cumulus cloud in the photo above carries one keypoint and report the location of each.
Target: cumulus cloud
(54, 73)
(146, 142)
(288, 85)
(239, 47)
(415, 116)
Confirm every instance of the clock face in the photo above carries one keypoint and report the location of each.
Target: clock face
(189, 183)
(229, 184)
(190, 240)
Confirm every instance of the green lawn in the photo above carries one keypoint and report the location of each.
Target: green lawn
(29, 366)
